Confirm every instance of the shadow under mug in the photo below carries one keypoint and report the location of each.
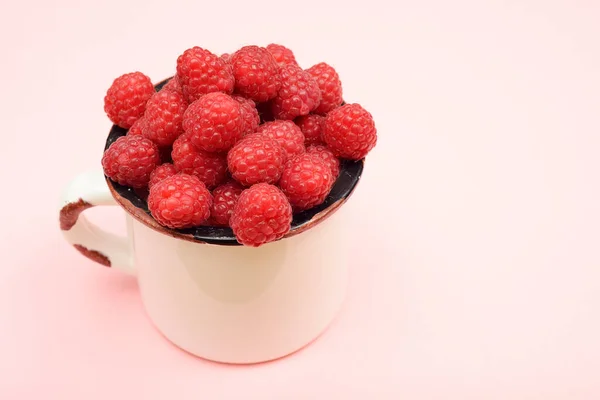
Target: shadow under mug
(206, 293)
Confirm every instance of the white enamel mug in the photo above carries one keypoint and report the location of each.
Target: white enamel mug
(209, 296)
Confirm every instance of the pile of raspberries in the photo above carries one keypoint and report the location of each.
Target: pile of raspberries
(243, 140)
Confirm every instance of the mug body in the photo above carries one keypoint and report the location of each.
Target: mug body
(237, 304)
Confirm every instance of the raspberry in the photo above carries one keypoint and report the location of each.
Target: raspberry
(256, 159)
(173, 85)
(262, 214)
(299, 93)
(161, 172)
(256, 73)
(306, 181)
(311, 126)
(125, 100)
(226, 57)
(130, 160)
(201, 72)
(138, 126)
(281, 54)
(330, 85)
(214, 123)
(164, 115)
(249, 114)
(326, 155)
(224, 199)
(210, 168)
(350, 132)
(287, 134)
(180, 201)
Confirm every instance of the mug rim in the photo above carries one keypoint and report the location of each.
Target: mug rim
(136, 206)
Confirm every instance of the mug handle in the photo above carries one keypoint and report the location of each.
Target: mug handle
(88, 190)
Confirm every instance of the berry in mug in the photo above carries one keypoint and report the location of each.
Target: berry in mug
(243, 140)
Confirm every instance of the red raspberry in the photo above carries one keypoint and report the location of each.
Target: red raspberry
(161, 172)
(330, 85)
(287, 134)
(256, 159)
(224, 199)
(299, 93)
(249, 114)
(326, 155)
(214, 122)
(180, 201)
(138, 126)
(306, 181)
(130, 160)
(210, 168)
(282, 54)
(350, 132)
(311, 126)
(226, 57)
(173, 85)
(262, 214)
(125, 100)
(201, 72)
(164, 116)
(256, 73)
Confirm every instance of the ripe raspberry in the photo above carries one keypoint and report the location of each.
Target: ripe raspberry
(262, 214)
(287, 134)
(161, 172)
(350, 132)
(224, 199)
(306, 181)
(125, 100)
(282, 54)
(210, 168)
(330, 85)
(249, 114)
(256, 159)
(226, 57)
(326, 155)
(299, 93)
(214, 122)
(256, 73)
(201, 72)
(138, 126)
(130, 160)
(311, 126)
(164, 116)
(180, 201)
(173, 85)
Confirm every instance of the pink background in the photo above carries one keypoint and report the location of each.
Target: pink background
(478, 215)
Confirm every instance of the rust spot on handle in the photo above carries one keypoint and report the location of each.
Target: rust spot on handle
(93, 255)
(70, 212)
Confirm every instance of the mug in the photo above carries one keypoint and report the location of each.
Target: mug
(206, 293)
